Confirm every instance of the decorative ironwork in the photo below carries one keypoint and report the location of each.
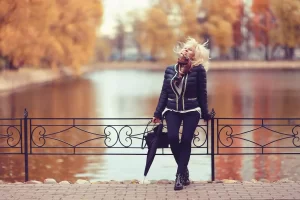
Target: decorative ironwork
(126, 131)
(229, 136)
(42, 136)
(295, 135)
(226, 135)
(13, 136)
(197, 137)
(127, 136)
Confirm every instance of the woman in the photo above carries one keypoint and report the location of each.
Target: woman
(183, 98)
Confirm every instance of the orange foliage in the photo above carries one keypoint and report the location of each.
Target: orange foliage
(259, 6)
(51, 33)
(221, 16)
(261, 21)
(237, 32)
(157, 36)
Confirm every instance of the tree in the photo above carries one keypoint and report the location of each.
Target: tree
(167, 22)
(237, 31)
(120, 38)
(157, 37)
(286, 33)
(51, 33)
(262, 23)
(182, 15)
(103, 49)
(74, 32)
(137, 20)
(218, 23)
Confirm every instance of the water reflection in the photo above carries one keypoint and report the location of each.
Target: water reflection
(135, 94)
(60, 99)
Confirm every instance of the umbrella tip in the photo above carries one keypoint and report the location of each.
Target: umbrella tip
(144, 179)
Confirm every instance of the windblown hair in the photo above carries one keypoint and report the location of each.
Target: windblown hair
(201, 52)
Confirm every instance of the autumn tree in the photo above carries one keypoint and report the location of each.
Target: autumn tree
(238, 36)
(119, 40)
(103, 49)
(262, 23)
(165, 23)
(287, 30)
(23, 27)
(182, 15)
(51, 33)
(220, 15)
(136, 20)
(157, 36)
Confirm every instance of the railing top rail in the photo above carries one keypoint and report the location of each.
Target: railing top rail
(143, 118)
(77, 118)
(11, 118)
(257, 118)
(92, 118)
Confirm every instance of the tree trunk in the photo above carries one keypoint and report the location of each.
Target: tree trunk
(236, 53)
(267, 57)
(289, 53)
(273, 50)
(11, 66)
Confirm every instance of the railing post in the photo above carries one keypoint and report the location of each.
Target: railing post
(26, 145)
(212, 145)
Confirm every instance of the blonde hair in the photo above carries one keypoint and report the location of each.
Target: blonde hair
(201, 52)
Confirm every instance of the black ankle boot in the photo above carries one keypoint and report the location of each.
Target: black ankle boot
(186, 178)
(178, 182)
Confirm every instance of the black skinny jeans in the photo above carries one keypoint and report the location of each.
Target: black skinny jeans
(182, 150)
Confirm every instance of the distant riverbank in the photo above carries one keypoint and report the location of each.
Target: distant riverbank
(214, 65)
(10, 81)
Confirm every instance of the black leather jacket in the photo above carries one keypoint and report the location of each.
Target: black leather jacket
(194, 92)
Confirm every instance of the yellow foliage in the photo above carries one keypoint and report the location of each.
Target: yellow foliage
(102, 50)
(158, 36)
(190, 26)
(288, 22)
(166, 23)
(52, 33)
(221, 14)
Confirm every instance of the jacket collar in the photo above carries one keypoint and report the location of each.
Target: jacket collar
(176, 68)
(197, 68)
(194, 69)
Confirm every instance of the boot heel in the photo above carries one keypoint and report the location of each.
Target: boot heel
(186, 178)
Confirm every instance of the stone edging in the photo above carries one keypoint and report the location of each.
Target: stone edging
(162, 181)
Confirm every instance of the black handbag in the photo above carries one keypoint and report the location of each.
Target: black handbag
(156, 133)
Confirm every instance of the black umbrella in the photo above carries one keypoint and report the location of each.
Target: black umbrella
(154, 140)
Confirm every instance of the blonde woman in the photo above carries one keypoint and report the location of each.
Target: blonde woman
(183, 98)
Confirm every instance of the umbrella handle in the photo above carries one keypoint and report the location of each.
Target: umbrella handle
(146, 130)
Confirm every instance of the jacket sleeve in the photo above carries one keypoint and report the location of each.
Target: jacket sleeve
(163, 99)
(202, 94)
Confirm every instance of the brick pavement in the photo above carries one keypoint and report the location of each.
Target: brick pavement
(203, 191)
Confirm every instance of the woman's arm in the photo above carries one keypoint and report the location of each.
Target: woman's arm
(202, 94)
(163, 99)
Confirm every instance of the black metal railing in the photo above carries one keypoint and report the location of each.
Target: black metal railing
(123, 136)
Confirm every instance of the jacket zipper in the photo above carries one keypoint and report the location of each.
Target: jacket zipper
(184, 89)
(173, 88)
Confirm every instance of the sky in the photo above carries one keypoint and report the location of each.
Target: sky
(114, 7)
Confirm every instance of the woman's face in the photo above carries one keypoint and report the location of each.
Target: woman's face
(188, 52)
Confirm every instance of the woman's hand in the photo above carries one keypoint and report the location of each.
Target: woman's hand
(155, 120)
